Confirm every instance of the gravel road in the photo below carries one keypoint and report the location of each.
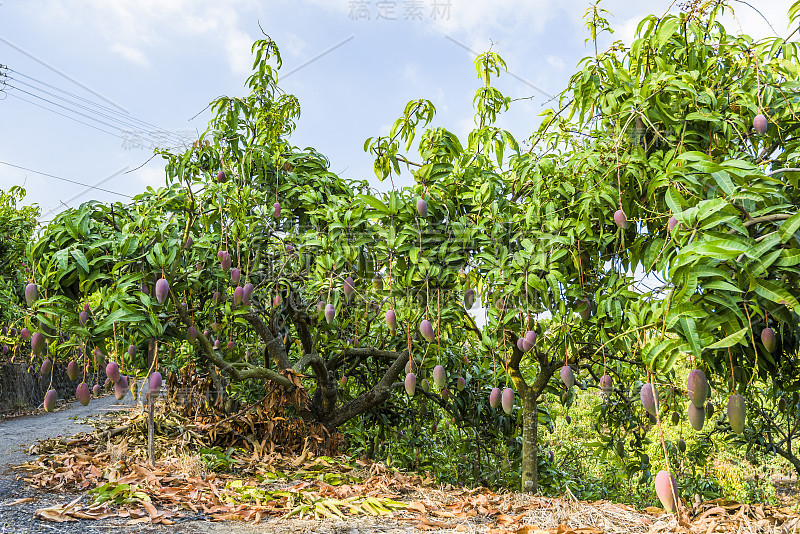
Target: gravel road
(19, 433)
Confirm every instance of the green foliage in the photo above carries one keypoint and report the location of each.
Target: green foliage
(17, 225)
(459, 441)
(215, 459)
(118, 494)
(660, 129)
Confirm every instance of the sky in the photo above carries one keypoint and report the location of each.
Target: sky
(142, 72)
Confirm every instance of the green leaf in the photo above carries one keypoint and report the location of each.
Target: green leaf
(775, 293)
(120, 315)
(81, 259)
(669, 347)
(789, 227)
(375, 203)
(669, 363)
(690, 333)
(731, 340)
(724, 182)
(666, 30)
(675, 200)
(62, 257)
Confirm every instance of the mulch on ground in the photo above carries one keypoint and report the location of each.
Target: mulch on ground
(105, 476)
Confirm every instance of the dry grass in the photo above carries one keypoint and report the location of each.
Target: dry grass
(117, 451)
(605, 516)
(190, 465)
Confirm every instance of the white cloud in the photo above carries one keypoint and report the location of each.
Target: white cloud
(463, 127)
(555, 62)
(467, 16)
(439, 100)
(150, 175)
(294, 45)
(627, 30)
(139, 30)
(411, 73)
(237, 46)
(480, 16)
(130, 53)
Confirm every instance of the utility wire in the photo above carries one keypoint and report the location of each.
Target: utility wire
(128, 120)
(124, 138)
(68, 109)
(65, 203)
(66, 179)
(129, 124)
(64, 115)
(73, 80)
(92, 102)
(88, 109)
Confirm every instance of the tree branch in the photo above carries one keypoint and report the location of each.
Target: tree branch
(379, 393)
(778, 171)
(512, 368)
(235, 374)
(274, 346)
(361, 353)
(767, 218)
(766, 151)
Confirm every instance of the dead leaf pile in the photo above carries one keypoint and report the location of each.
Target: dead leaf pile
(271, 466)
(323, 487)
(275, 485)
(720, 515)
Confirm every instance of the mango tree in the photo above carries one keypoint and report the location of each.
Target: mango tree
(17, 225)
(270, 265)
(689, 139)
(671, 159)
(655, 162)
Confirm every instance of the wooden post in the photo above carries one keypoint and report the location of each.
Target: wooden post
(151, 452)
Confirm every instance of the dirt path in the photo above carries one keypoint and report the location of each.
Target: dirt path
(18, 434)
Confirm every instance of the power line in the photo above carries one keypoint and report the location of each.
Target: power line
(73, 80)
(66, 179)
(127, 119)
(104, 180)
(87, 108)
(66, 92)
(125, 124)
(323, 53)
(124, 138)
(63, 115)
(68, 109)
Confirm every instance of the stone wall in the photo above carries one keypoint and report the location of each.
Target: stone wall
(20, 390)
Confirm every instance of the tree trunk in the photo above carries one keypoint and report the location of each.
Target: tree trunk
(788, 455)
(530, 443)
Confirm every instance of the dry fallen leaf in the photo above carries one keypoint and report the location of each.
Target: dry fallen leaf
(442, 513)
(18, 501)
(54, 513)
(417, 506)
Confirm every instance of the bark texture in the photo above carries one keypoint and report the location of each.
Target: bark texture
(530, 443)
